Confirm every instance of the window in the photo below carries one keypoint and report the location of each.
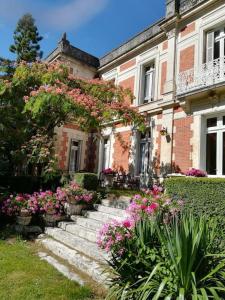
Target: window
(144, 152)
(215, 145)
(215, 45)
(106, 153)
(74, 159)
(148, 83)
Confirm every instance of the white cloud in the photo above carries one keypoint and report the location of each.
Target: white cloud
(56, 15)
(73, 14)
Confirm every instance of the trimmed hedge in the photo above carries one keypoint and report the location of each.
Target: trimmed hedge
(88, 181)
(201, 195)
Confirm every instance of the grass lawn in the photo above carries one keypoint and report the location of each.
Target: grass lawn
(23, 276)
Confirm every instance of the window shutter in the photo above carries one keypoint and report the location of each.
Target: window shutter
(210, 46)
(147, 85)
(152, 84)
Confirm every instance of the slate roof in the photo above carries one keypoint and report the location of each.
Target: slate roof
(137, 40)
(64, 47)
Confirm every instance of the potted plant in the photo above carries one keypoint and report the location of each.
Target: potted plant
(19, 206)
(78, 199)
(108, 176)
(52, 207)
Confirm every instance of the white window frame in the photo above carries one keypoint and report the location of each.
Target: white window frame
(220, 39)
(219, 129)
(142, 98)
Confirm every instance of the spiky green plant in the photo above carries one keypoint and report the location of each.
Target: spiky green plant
(173, 262)
(200, 271)
(138, 273)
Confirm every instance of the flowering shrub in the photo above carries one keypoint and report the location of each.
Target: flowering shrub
(113, 234)
(154, 203)
(196, 173)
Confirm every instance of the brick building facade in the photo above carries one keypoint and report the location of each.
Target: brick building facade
(176, 70)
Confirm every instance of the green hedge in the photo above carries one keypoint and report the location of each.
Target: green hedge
(201, 195)
(88, 181)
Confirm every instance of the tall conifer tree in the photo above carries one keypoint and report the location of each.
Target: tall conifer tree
(26, 40)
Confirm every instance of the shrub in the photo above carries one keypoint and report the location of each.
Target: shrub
(199, 267)
(141, 207)
(201, 196)
(135, 245)
(142, 257)
(153, 260)
(87, 181)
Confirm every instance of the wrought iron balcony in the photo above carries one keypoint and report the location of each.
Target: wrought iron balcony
(206, 75)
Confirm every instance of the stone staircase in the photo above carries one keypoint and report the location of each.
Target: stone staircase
(72, 248)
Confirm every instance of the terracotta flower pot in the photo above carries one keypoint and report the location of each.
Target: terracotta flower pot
(24, 213)
(51, 219)
(23, 220)
(108, 180)
(74, 208)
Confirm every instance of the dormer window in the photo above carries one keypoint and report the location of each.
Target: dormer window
(148, 83)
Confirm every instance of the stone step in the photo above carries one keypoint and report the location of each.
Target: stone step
(92, 268)
(77, 243)
(75, 229)
(61, 268)
(102, 217)
(87, 223)
(111, 210)
(121, 202)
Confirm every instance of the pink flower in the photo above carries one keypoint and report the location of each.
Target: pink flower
(127, 223)
(152, 208)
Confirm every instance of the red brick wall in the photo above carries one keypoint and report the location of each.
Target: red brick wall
(163, 76)
(71, 126)
(165, 45)
(121, 149)
(128, 83)
(187, 58)
(178, 109)
(182, 148)
(64, 144)
(128, 65)
(187, 29)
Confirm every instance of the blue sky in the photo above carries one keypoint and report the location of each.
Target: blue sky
(96, 26)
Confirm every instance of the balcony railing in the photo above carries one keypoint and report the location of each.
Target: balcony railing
(206, 75)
